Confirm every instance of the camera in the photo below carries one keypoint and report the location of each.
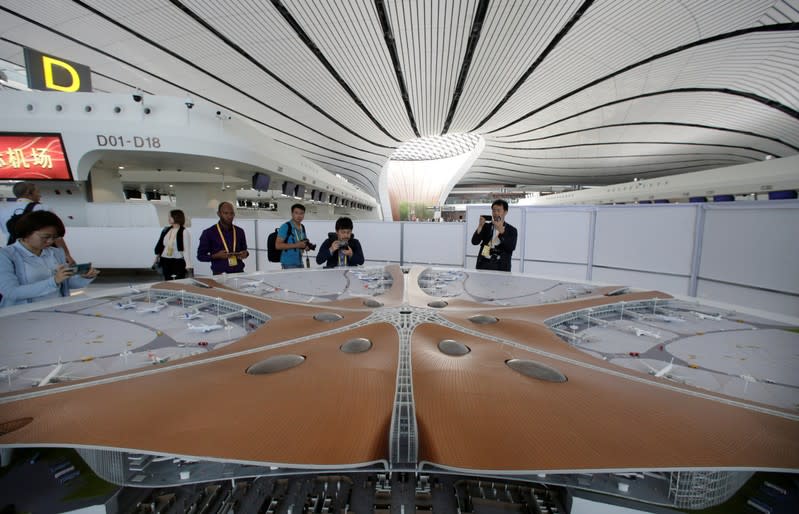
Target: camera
(309, 245)
(137, 97)
(189, 103)
(343, 244)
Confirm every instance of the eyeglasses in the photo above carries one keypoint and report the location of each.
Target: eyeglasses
(46, 237)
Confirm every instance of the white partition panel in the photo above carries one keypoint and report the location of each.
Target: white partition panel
(253, 244)
(756, 246)
(122, 214)
(556, 269)
(557, 236)
(659, 239)
(433, 243)
(753, 298)
(380, 240)
(112, 247)
(643, 280)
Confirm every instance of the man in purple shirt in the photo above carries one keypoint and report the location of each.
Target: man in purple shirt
(224, 244)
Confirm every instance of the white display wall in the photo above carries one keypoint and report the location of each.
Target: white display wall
(743, 254)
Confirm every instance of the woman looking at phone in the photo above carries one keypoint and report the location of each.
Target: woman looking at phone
(32, 269)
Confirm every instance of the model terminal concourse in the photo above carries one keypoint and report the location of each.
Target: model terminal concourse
(633, 171)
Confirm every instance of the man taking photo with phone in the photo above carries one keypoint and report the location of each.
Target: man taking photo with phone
(340, 248)
(497, 239)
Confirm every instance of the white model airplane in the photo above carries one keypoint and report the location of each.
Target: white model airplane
(195, 314)
(702, 315)
(51, 376)
(127, 305)
(155, 359)
(643, 332)
(204, 328)
(253, 285)
(156, 307)
(747, 380)
(664, 372)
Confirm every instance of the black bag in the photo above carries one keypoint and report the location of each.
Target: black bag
(11, 224)
(272, 253)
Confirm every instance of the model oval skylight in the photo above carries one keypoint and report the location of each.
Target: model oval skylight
(453, 348)
(357, 345)
(328, 316)
(275, 364)
(537, 370)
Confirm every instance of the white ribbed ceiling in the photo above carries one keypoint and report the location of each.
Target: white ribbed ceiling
(563, 92)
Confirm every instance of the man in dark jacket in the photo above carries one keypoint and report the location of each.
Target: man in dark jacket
(341, 249)
(497, 239)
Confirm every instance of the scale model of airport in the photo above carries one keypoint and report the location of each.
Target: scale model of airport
(428, 371)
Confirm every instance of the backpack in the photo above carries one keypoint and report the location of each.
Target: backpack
(11, 224)
(271, 251)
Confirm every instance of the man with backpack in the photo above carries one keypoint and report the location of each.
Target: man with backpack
(28, 200)
(292, 240)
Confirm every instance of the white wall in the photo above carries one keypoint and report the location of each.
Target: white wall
(742, 254)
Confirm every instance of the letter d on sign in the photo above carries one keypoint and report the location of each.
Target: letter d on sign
(47, 72)
(48, 63)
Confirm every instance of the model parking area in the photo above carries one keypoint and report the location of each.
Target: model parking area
(726, 352)
(102, 336)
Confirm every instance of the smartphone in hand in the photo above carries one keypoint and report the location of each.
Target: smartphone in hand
(80, 269)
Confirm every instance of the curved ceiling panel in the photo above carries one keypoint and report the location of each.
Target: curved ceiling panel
(569, 92)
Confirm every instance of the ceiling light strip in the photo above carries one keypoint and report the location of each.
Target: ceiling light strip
(560, 35)
(713, 39)
(284, 12)
(474, 37)
(206, 25)
(391, 45)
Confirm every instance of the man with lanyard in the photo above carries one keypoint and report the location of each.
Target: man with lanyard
(497, 239)
(224, 245)
(292, 240)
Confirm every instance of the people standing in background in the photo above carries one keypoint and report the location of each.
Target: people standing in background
(224, 245)
(29, 199)
(292, 239)
(173, 250)
(32, 269)
(340, 248)
(497, 239)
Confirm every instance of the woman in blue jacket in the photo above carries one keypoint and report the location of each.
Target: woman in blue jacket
(32, 268)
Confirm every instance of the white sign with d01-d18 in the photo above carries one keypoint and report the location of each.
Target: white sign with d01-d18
(128, 141)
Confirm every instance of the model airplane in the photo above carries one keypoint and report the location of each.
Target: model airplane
(204, 328)
(127, 305)
(156, 307)
(702, 315)
(155, 359)
(664, 372)
(747, 380)
(195, 314)
(643, 332)
(50, 377)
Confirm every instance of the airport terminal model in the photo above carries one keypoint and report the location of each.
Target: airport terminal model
(416, 371)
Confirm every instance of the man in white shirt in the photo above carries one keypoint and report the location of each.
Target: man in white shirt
(28, 192)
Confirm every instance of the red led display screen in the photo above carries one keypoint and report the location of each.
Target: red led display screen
(33, 157)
